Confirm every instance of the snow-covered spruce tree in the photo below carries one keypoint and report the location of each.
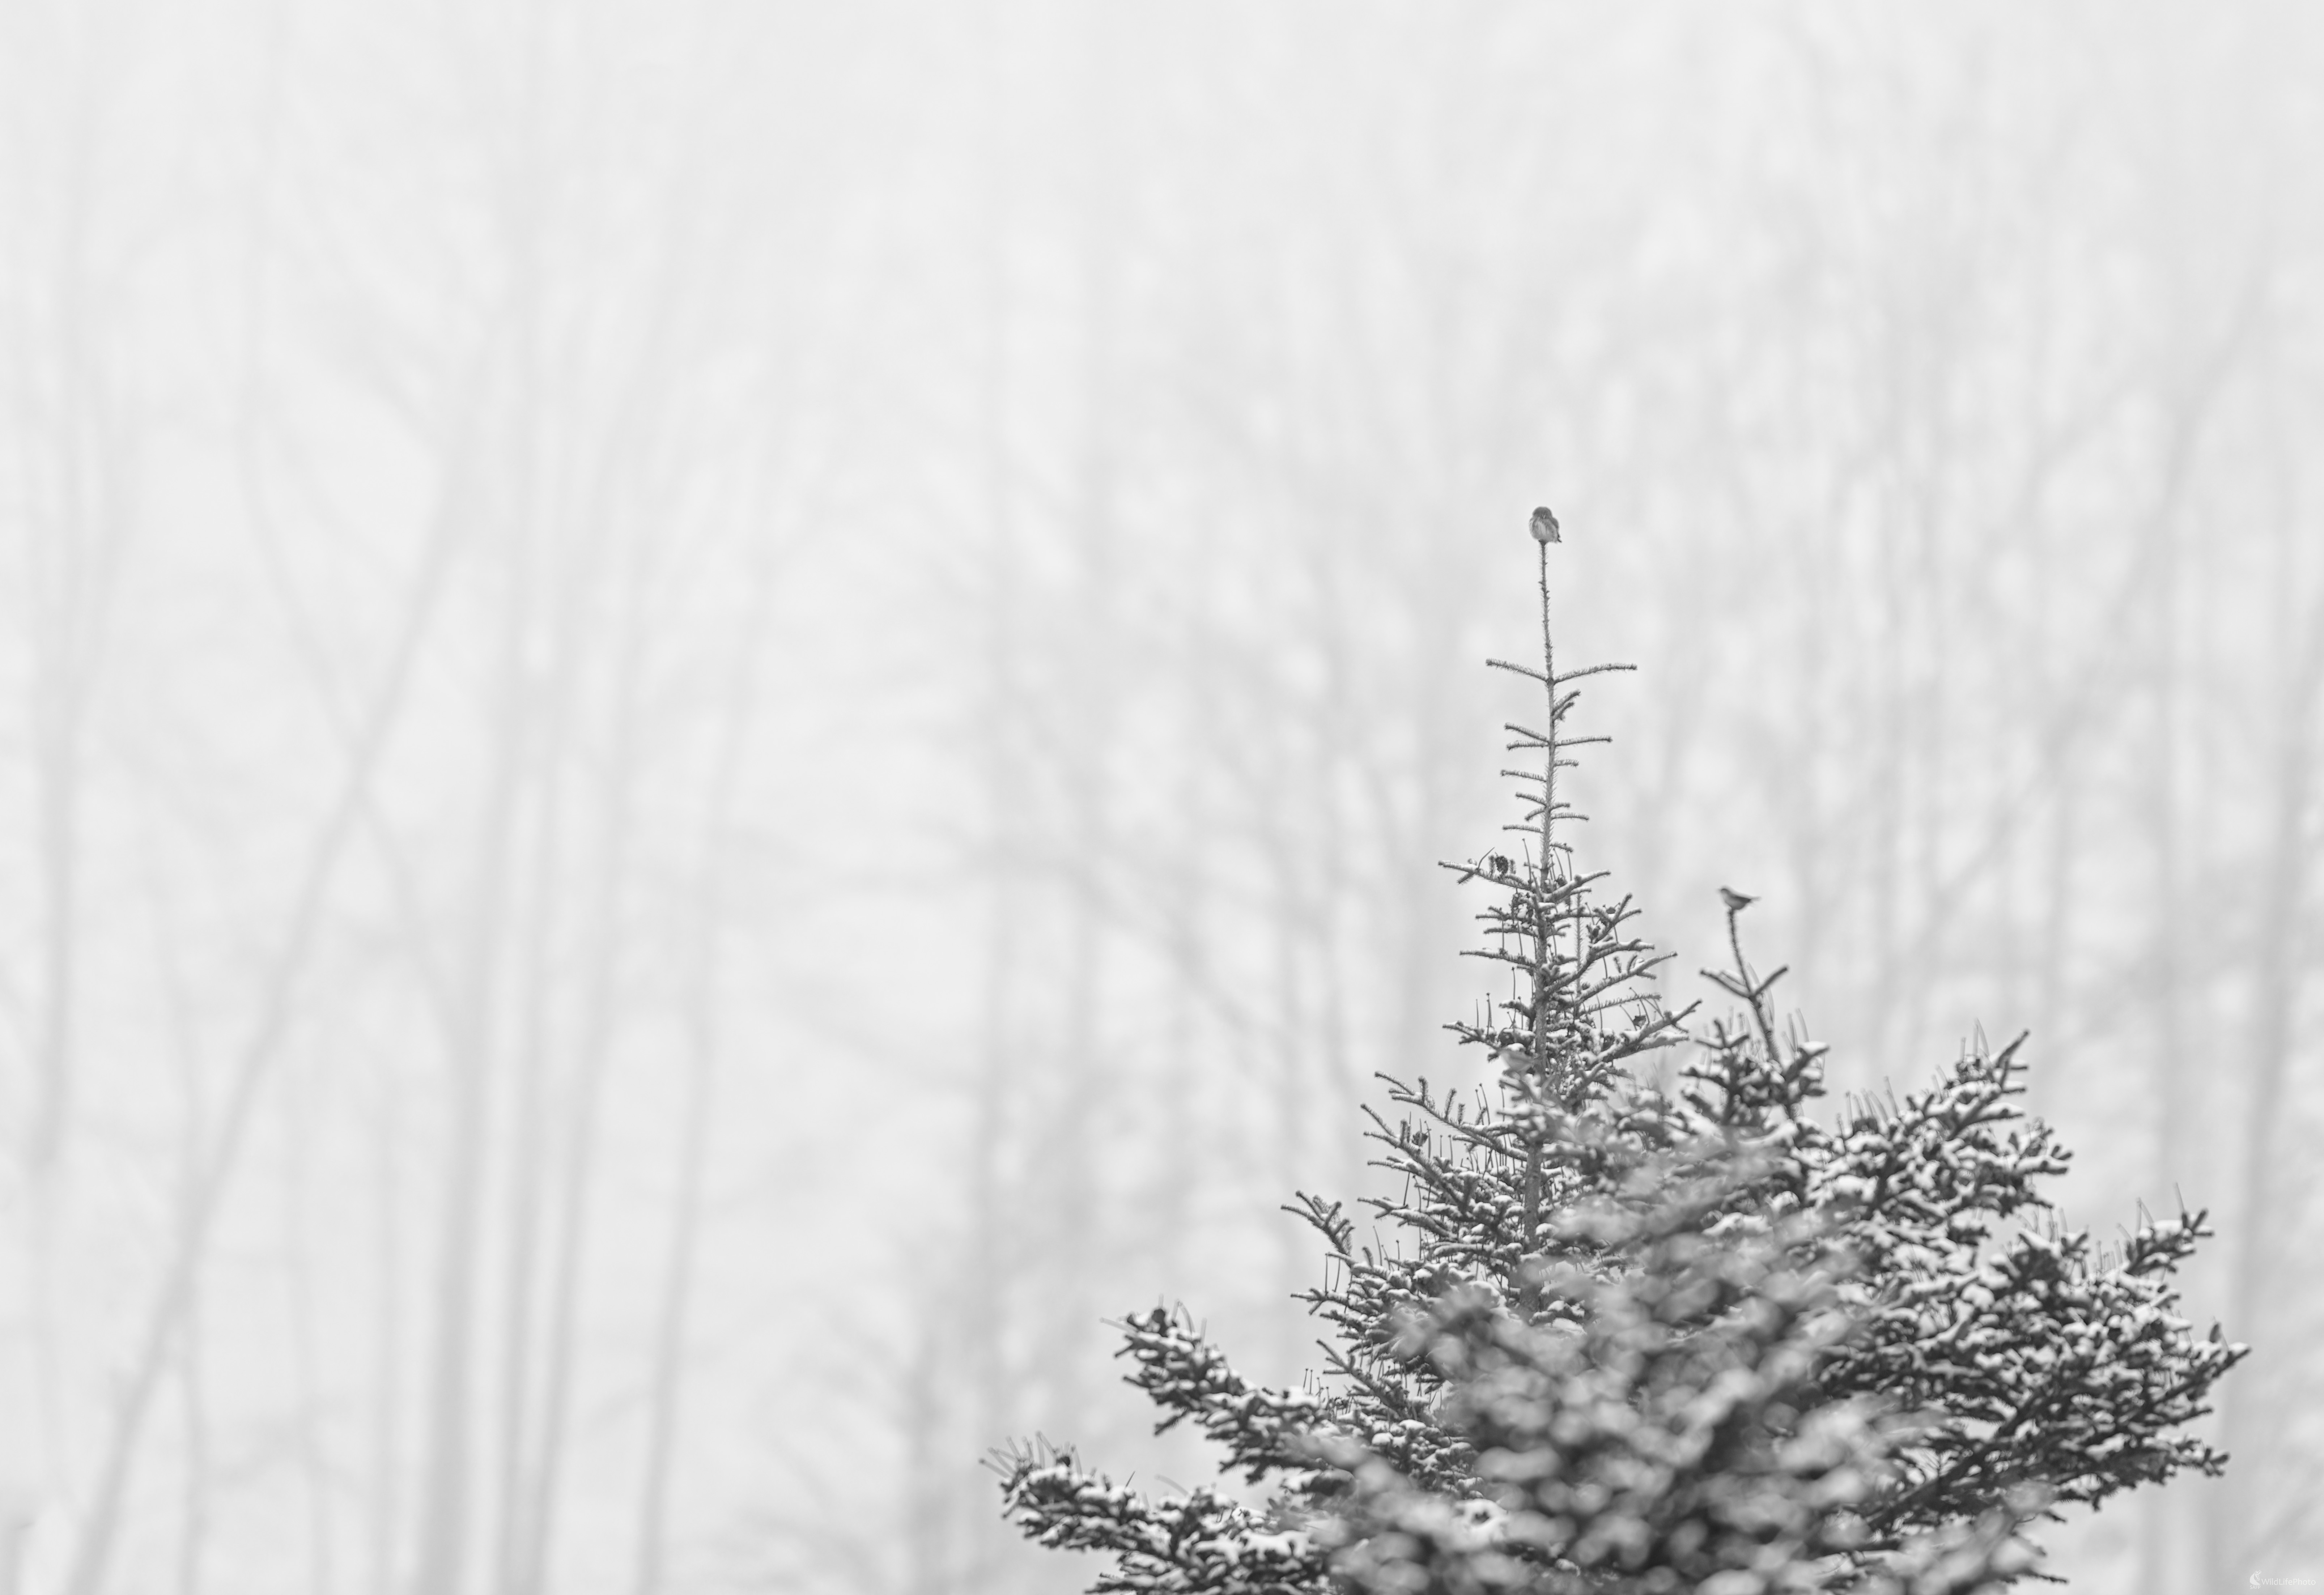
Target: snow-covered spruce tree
(1643, 1339)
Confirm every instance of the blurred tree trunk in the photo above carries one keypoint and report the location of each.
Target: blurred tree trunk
(310, 1413)
(383, 1501)
(700, 1019)
(441, 1562)
(77, 485)
(77, 425)
(2264, 1453)
(623, 644)
(1074, 1202)
(535, 990)
(194, 1423)
(2171, 1535)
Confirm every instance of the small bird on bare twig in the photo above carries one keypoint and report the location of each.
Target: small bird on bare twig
(1735, 900)
(1545, 526)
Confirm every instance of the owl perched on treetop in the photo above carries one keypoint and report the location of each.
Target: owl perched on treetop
(1545, 526)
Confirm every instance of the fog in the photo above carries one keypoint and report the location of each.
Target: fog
(715, 720)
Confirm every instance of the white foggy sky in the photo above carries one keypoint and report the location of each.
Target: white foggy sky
(806, 412)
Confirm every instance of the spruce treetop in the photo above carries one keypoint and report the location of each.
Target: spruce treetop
(1642, 1338)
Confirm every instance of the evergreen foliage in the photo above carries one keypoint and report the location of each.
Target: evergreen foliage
(1645, 1337)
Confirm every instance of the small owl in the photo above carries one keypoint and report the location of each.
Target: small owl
(1545, 526)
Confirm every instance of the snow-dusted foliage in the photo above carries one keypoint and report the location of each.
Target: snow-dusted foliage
(1639, 1339)
(1668, 1428)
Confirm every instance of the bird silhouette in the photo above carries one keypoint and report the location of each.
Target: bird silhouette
(1545, 526)
(1735, 900)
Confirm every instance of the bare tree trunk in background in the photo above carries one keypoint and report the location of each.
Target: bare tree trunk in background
(1073, 1199)
(308, 1422)
(1890, 716)
(441, 1557)
(80, 529)
(248, 446)
(986, 1300)
(528, 1172)
(547, 689)
(1343, 761)
(595, 1042)
(1183, 894)
(1930, 793)
(2251, 1424)
(543, 688)
(76, 427)
(524, 751)
(1291, 1068)
(193, 1416)
(989, 1303)
(383, 1501)
(665, 1385)
(703, 966)
(1315, 871)
(61, 708)
(2062, 794)
(2164, 1557)
(193, 1127)
(926, 1505)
